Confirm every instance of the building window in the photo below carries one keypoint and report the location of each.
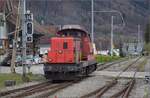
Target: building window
(65, 45)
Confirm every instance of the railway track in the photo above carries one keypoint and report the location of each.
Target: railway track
(8, 92)
(17, 92)
(106, 65)
(40, 90)
(100, 91)
(44, 91)
(124, 92)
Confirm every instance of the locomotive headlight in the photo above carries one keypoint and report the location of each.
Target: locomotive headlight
(49, 49)
(50, 59)
(60, 51)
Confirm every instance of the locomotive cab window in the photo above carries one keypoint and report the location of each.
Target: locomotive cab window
(65, 45)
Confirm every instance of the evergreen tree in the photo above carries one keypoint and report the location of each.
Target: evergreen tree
(147, 33)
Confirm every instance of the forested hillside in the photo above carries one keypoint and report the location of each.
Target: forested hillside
(60, 12)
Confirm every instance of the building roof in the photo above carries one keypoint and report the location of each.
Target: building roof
(44, 40)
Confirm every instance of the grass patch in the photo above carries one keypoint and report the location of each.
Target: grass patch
(33, 77)
(141, 66)
(18, 78)
(103, 58)
(146, 92)
(4, 77)
(147, 47)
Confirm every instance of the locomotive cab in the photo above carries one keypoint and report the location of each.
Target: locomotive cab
(85, 43)
(64, 50)
(70, 54)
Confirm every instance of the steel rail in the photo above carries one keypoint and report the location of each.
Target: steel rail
(128, 67)
(106, 87)
(51, 92)
(120, 92)
(127, 89)
(7, 92)
(132, 82)
(131, 85)
(37, 90)
(106, 65)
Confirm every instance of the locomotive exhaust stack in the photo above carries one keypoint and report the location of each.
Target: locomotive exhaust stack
(70, 54)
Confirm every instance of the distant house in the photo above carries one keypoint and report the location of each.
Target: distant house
(103, 52)
(132, 48)
(44, 44)
(44, 49)
(107, 52)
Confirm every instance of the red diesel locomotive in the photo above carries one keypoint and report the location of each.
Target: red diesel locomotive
(70, 54)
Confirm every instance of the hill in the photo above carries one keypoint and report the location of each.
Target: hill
(60, 12)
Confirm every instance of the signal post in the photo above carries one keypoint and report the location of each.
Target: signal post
(27, 33)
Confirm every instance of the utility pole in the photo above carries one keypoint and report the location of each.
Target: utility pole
(23, 5)
(139, 29)
(112, 28)
(92, 21)
(15, 41)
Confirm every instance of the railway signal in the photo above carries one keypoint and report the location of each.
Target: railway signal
(29, 27)
(27, 34)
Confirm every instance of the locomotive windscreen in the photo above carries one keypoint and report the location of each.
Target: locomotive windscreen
(72, 33)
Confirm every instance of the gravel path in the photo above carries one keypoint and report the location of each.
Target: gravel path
(119, 66)
(147, 66)
(20, 86)
(35, 69)
(81, 88)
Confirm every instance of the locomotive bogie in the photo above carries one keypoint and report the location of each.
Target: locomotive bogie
(69, 71)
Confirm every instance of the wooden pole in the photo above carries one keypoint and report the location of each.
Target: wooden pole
(15, 41)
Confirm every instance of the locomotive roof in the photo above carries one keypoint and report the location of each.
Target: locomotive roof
(73, 27)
